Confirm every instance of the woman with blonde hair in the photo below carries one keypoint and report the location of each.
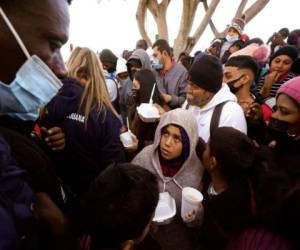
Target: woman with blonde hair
(83, 110)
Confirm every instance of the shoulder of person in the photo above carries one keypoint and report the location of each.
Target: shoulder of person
(71, 83)
(232, 115)
(144, 157)
(231, 107)
(180, 69)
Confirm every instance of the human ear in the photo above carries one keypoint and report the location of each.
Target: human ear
(245, 79)
(164, 53)
(212, 163)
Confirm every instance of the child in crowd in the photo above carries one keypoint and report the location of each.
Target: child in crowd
(172, 158)
(243, 189)
(119, 207)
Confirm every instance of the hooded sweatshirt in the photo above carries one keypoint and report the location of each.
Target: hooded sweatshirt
(232, 114)
(175, 235)
(88, 149)
(141, 55)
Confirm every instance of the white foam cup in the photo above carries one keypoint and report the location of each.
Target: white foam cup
(191, 202)
(126, 139)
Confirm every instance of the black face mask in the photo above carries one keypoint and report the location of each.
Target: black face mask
(278, 130)
(233, 89)
(111, 70)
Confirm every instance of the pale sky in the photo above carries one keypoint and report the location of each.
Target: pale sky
(112, 24)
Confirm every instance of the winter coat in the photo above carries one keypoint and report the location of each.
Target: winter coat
(17, 213)
(141, 55)
(232, 114)
(88, 149)
(41, 170)
(175, 235)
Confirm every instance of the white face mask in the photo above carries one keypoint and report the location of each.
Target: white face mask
(232, 39)
(34, 86)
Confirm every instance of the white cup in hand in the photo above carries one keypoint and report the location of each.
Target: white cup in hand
(190, 204)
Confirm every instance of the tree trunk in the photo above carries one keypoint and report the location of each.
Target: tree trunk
(184, 42)
(211, 23)
(159, 12)
(187, 18)
(162, 25)
(141, 18)
(240, 10)
(194, 39)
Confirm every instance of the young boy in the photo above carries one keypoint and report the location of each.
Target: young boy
(119, 207)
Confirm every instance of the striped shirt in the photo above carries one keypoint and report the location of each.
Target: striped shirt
(275, 86)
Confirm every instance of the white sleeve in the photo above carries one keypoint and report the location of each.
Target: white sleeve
(233, 116)
(112, 89)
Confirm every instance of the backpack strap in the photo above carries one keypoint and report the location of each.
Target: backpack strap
(113, 79)
(115, 103)
(215, 119)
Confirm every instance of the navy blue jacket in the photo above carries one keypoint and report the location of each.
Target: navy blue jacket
(17, 215)
(88, 149)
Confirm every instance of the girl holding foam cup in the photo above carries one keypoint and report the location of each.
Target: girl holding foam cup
(191, 205)
(172, 158)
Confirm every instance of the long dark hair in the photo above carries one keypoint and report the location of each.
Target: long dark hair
(147, 80)
(238, 158)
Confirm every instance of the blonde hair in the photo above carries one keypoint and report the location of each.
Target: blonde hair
(83, 62)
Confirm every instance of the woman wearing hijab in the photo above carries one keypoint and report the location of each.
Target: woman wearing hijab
(143, 84)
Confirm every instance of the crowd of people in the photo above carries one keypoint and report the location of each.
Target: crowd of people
(228, 125)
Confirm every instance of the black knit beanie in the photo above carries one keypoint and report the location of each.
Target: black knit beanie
(207, 73)
(289, 51)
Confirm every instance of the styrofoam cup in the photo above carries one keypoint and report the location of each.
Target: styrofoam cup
(126, 139)
(191, 202)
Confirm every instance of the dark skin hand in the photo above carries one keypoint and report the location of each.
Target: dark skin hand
(54, 137)
(255, 111)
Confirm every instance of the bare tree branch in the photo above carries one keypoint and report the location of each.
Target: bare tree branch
(159, 12)
(254, 9)
(184, 41)
(141, 17)
(165, 4)
(211, 24)
(186, 23)
(211, 9)
(241, 8)
(153, 7)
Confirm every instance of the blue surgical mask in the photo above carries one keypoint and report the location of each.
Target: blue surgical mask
(156, 64)
(34, 86)
(232, 39)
